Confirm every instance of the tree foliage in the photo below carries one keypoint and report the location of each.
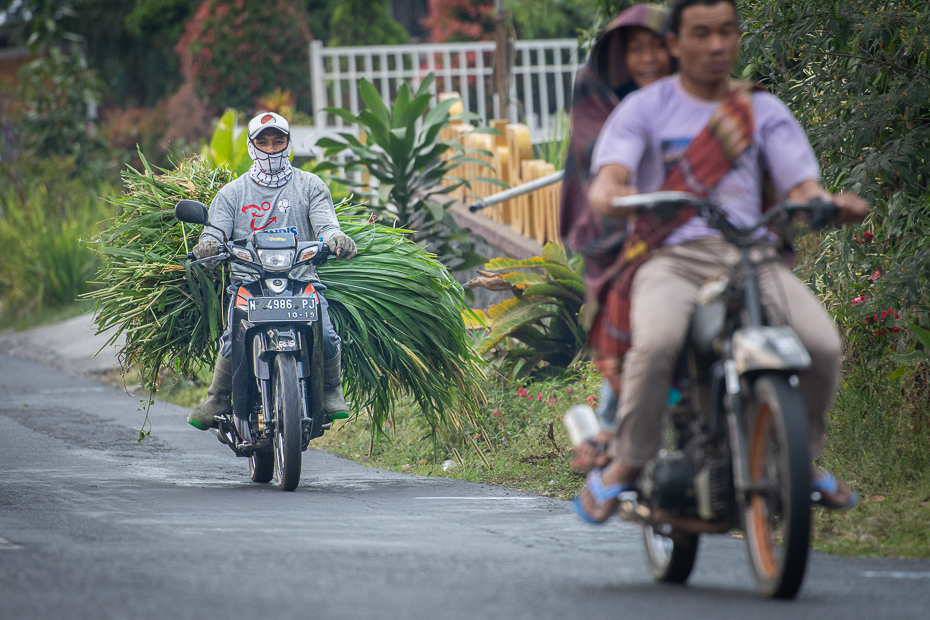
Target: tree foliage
(57, 88)
(857, 74)
(236, 50)
(375, 28)
(474, 20)
(451, 21)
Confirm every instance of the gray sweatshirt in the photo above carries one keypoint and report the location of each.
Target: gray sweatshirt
(302, 206)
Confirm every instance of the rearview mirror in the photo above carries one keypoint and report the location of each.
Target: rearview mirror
(191, 211)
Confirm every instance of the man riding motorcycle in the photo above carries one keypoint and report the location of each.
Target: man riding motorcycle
(273, 196)
(701, 132)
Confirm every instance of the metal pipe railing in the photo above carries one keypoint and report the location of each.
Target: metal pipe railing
(519, 190)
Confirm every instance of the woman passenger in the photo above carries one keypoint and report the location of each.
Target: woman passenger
(629, 54)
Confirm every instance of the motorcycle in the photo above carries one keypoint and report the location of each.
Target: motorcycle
(277, 352)
(738, 455)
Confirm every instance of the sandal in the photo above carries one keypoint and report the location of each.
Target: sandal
(605, 498)
(591, 454)
(827, 492)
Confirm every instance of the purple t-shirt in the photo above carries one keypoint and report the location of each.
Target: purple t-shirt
(651, 129)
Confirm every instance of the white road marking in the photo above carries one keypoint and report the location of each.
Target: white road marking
(75, 389)
(896, 574)
(6, 545)
(480, 499)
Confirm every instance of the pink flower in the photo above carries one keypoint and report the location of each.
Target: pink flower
(858, 300)
(590, 399)
(539, 397)
(869, 235)
(876, 275)
(568, 390)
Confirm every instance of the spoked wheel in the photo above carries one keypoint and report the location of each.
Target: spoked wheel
(671, 557)
(261, 466)
(778, 511)
(287, 431)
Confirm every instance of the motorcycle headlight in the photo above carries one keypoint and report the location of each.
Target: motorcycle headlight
(276, 259)
(308, 253)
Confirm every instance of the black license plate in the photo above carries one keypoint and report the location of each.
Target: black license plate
(282, 309)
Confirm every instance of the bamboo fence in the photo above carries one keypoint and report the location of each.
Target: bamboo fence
(533, 215)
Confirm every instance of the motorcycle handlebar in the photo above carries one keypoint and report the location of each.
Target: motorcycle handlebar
(818, 212)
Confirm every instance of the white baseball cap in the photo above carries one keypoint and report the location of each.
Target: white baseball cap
(265, 120)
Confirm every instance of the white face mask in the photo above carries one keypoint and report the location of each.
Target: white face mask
(270, 169)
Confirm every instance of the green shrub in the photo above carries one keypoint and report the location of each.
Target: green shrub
(236, 50)
(45, 228)
(543, 317)
(858, 77)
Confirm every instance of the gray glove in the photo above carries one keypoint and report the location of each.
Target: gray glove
(342, 246)
(207, 247)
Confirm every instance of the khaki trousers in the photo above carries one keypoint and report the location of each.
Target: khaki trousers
(663, 298)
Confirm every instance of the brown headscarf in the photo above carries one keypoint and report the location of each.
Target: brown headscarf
(601, 84)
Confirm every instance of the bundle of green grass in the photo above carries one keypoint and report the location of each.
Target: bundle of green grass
(397, 309)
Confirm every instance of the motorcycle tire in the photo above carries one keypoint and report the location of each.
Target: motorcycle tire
(778, 512)
(261, 466)
(287, 428)
(671, 557)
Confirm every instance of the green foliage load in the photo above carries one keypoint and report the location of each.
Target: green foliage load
(236, 50)
(543, 315)
(364, 22)
(857, 74)
(410, 166)
(398, 311)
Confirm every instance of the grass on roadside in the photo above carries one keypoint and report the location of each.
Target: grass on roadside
(879, 442)
(46, 316)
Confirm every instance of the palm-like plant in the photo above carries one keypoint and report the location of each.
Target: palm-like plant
(542, 316)
(410, 164)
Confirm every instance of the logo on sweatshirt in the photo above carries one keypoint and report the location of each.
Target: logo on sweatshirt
(257, 213)
(284, 206)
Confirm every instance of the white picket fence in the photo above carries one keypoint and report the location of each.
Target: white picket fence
(541, 85)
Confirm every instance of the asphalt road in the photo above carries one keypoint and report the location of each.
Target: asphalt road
(94, 525)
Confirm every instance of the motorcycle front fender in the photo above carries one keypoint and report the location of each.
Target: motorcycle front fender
(768, 348)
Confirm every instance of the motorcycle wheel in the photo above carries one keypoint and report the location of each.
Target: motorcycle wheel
(261, 466)
(670, 558)
(778, 511)
(287, 431)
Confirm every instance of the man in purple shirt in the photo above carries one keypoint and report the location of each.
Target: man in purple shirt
(637, 148)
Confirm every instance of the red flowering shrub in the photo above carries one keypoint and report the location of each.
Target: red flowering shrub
(460, 20)
(235, 50)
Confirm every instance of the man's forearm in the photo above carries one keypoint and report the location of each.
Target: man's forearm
(612, 181)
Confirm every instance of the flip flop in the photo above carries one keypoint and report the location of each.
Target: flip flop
(601, 494)
(599, 448)
(827, 484)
